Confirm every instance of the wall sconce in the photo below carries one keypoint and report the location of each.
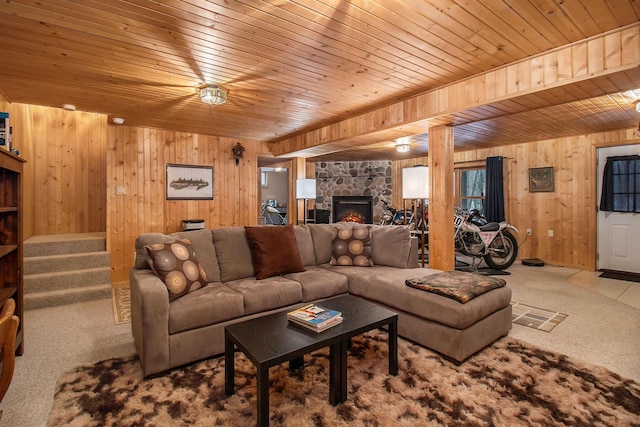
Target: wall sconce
(237, 152)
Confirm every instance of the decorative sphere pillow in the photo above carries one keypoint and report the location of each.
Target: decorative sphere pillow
(176, 264)
(274, 250)
(351, 246)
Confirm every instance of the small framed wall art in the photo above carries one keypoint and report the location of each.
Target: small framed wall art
(541, 180)
(189, 182)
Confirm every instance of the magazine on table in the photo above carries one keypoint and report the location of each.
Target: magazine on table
(315, 317)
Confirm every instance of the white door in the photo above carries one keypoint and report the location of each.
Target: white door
(618, 233)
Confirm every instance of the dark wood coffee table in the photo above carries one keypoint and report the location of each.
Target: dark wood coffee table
(271, 340)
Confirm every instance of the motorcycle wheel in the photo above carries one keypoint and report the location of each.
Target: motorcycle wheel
(503, 252)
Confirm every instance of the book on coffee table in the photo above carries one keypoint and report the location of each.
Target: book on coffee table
(314, 317)
(333, 322)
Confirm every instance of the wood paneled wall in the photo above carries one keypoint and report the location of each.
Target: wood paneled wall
(75, 161)
(569, 211)
(136, 161)
(65, 174)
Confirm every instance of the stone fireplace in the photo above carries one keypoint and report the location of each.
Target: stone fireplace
(352, 209)
(356, 178)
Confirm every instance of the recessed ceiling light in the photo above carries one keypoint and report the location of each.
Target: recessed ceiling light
(69, 107)
(403, 148)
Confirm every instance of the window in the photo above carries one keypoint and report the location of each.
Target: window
(621, 184)
(470, 188)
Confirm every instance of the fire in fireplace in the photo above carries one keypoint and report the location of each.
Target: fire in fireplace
(352, 209)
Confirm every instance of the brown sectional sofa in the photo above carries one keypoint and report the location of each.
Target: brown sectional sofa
(168, 333)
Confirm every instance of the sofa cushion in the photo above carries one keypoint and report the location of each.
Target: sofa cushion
(268, 294)
(176, 264)
(234, 255)
(274, 250)
(305, 244)
(322, 235)
(202, 243)
(318, 282)
(351, 246)
(391, 245)
(212, 304)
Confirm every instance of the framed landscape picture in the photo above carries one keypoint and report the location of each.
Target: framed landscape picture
(189, 182)
(541, 180)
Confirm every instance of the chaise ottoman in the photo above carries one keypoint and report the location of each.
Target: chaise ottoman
(454, 329)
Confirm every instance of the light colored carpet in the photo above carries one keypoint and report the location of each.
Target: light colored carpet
(600, 330)
(510, 383)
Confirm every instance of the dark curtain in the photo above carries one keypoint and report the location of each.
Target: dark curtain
(494, 200)
(621, 184)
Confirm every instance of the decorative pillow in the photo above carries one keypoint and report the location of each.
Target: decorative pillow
(176, 264)
(274, 250)
(147, 239)
(351, 246)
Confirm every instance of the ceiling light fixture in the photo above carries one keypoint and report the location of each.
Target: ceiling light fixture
(117, 120)
(403, 148)
(69, 107)
(213, 95)
(638, 106)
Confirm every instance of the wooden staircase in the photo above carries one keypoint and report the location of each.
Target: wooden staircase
(66, 268)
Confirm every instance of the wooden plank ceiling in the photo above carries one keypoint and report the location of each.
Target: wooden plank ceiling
(295, 66)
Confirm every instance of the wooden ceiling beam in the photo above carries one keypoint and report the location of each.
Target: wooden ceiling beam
(543, 80)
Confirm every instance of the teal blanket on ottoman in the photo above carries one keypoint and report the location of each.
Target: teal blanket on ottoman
(457, 285)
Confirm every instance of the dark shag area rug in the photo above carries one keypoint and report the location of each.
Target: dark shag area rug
(509, 383)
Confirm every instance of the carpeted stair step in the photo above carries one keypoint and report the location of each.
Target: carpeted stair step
(64, 269)
(66, 262)
(45, 282)
(66, 296)
(59, 244)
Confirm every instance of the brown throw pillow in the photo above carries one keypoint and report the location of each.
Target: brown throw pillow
(274, 250)
(351, 246)
(176, 264)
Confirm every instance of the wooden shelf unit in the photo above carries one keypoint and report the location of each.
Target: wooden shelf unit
(11, 239)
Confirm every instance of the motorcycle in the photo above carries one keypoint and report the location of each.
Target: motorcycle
(388, 214)
(393, 216)
(479, 239)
